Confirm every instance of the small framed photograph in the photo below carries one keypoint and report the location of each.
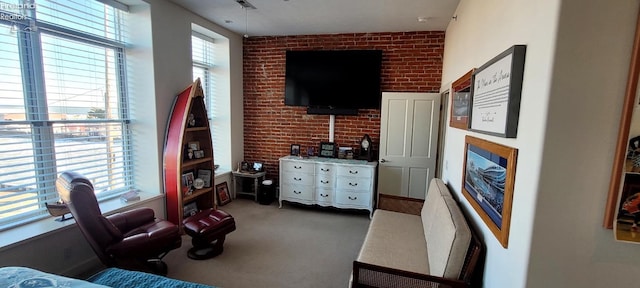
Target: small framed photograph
(187, 183)
(295, 149)
(198, 154)
(222, 191)
(190, 209)
(194, 145)
(327, 149)
(205, 175)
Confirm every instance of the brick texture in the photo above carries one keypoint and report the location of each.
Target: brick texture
(411, 62)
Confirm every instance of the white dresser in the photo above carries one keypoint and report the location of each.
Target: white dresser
(340, 183)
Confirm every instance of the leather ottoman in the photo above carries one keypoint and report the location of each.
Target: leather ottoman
(208, 229)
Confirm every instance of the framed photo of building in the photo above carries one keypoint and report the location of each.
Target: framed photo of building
(461, 101)
(488, 181)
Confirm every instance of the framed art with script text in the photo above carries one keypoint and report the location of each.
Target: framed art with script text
(495, 101)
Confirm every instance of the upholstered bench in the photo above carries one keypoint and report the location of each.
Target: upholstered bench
(208, 230)
(405, 250)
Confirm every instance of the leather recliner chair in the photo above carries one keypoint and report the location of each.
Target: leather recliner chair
(124, 239)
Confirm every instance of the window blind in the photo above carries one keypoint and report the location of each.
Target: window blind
(202, 51)
(63, 104)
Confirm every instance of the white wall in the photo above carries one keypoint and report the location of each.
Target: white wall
(575, 72)
(570, 248)
(483, 30)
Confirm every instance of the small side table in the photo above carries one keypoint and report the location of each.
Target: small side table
(257, 177)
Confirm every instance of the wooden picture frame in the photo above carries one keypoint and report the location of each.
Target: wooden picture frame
(622, 146)
(487, 183)
(194, 145)
(222, 193)
(497, 86)
(461, 101)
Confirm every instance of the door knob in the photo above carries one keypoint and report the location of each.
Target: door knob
(382, 160)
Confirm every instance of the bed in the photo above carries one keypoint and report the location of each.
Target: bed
(23, 277)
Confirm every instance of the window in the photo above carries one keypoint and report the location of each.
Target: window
(207, 67)
(63, 102)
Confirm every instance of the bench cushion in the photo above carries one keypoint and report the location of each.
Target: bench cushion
(395, 240)
(446, 231)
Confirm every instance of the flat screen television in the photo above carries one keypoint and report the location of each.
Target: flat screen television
(333, 81)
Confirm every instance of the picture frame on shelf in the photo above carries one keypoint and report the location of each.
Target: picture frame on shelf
(190, 209)
(198, 154)
(194, 145)
(222, 193)
(187, 183)
(205, 175)
(488, 181)
(295, 150)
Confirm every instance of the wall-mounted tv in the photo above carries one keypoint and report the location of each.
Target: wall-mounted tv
(333, 81)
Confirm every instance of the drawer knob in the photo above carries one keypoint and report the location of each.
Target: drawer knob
(324, 195)
(297, 192)
(297, 179)
(352, 198)
(353, 184)
(353, 172)
(324, 170)
(324, 182)
(297, 167)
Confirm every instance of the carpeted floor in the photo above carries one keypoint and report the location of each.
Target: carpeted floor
(296, 246)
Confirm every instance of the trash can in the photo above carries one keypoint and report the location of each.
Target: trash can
(267, 192)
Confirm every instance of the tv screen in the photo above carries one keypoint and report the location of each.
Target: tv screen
(333, 80)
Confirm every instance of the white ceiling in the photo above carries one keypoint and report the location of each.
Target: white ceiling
(308, 17)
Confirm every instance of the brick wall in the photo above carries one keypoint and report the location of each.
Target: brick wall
(411, 62)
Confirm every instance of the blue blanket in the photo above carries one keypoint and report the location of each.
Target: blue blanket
(22, 277)
(114, 277)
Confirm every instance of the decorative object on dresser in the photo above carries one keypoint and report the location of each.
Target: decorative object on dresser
(339, 183)
(295, 149)
(188, 130)
(327, 149)
(366, 147)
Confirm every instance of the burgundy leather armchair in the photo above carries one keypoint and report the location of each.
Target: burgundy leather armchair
(125, 239)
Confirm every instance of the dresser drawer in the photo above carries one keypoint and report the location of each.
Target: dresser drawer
(297, 178)
(298, 166)
(326, 170)
(353, 183)
(353, 198)
(325, 182)
(355, 171)
(324, 195)
(303, 192)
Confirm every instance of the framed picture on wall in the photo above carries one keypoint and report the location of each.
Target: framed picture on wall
(487, 183)
(461, 101)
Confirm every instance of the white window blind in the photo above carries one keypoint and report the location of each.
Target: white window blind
(204, 67)
(63, 103)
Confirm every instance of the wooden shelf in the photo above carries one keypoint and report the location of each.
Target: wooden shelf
(195, 194)
(189, 104)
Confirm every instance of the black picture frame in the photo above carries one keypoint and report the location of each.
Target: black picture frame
(496, 91)
(295, 149)
(327, 149)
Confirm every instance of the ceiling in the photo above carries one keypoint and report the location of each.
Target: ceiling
(309, 17)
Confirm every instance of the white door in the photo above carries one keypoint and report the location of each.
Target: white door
(408, 143)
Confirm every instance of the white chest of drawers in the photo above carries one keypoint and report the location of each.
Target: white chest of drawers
(339, 183)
